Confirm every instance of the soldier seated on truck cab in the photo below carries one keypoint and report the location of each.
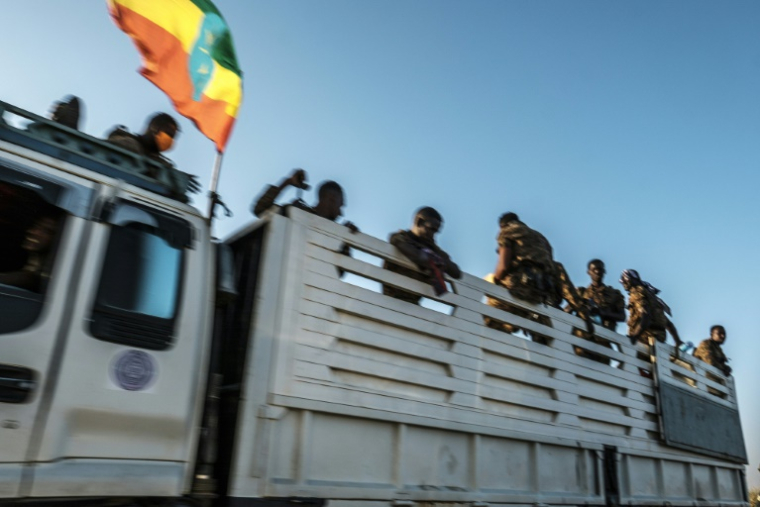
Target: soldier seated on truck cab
(67, 112)
(159, 136)
(29, 228)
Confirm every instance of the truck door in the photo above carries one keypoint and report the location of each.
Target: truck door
(42, 228)
(129, 391)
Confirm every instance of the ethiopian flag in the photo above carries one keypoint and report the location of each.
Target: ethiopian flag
(187, 52)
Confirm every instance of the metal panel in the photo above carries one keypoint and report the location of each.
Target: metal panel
(692, 422)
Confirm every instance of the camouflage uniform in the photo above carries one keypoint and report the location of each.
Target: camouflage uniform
(413, 241)
(711, 352)
(533, 276)
(642, 304)
(605, 298)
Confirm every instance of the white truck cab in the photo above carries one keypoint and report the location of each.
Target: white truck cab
(126, 380)
(103, 346)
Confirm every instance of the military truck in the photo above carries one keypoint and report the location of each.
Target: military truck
(144, 363)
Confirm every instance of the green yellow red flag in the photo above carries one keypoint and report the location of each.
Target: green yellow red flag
(187, 52)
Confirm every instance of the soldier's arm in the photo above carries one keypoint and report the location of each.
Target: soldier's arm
(266, 200)
(581, 293)
(505, 260)
(411, 250)
(615, 311)
(450, 267)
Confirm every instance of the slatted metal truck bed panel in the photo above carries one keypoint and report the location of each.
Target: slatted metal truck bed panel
(356, 395)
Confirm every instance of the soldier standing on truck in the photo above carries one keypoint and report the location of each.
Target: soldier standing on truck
(527, 269)
(604, 301)
(647, 313)
(418, 244)
(711, 352)
(330, 195)
(606, 305)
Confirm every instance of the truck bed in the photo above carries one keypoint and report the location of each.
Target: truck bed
(353, 397)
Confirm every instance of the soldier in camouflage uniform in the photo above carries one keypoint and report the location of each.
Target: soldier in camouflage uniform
(605, 303)
(418, 244)
(647, 314)
(711, 352)
(527, 269)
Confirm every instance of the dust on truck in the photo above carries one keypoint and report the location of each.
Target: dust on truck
(148, 364)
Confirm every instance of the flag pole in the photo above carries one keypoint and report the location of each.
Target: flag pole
(212, 195)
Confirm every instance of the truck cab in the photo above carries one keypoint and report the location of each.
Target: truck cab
(104, 316)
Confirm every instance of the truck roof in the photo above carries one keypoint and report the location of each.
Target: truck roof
(64, 143)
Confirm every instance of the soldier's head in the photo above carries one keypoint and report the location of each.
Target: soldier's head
(718, 333)
(508, 217)
(331, 200)
(427, 223)
(162, 129)
(40, 235)
(630, 278)
(67, 112)
(596, 271)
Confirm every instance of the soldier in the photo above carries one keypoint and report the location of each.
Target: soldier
(527, 268)
(648, 314)
(418, 244)
(159, 136)
(711, 352)
(330, 194)
(604, 301)
(67, 112)
(38, 242)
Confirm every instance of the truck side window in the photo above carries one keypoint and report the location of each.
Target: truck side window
(141, 279)
(30, 228)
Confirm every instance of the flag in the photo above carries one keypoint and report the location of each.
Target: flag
(187, 52)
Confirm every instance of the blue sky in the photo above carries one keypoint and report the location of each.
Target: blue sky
(621, 130)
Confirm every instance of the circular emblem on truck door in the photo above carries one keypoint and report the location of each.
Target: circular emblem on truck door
(134, 370)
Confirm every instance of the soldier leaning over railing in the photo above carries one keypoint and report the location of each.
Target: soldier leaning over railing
(711, 352)
(418, 244)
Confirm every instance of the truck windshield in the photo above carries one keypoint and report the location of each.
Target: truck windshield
(141, 272)
(140, 284)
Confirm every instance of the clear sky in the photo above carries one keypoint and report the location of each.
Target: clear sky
(621, 130)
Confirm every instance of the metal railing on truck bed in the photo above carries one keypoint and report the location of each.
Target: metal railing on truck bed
(88, 152)
(357, 397)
